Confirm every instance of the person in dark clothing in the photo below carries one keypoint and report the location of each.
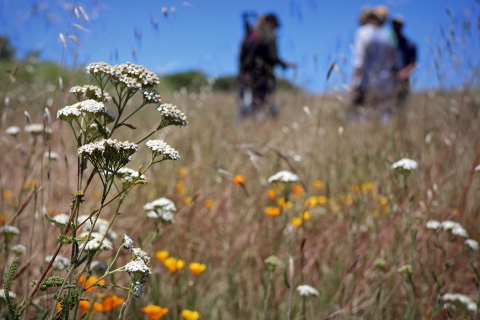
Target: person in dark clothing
(258, 58)
(405, 62)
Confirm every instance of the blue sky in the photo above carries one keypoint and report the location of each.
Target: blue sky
(205, 34)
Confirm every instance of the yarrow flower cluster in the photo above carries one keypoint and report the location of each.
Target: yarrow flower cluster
(108, 154)
(306, 290)
(405, 164)
(283, 176)
(162, 209)
(12, 131)
(91, 109)
(59, 263)
(97, 241)
(36, 129)
(160, 147)
(18, 249)
(457, 297)
(473, 244)
(90, 92)
(9, 230)
(455, 227)
(128, 175)
(172, 115)
(139, 266)
(127, 242)
(101, 227)
(128, 74)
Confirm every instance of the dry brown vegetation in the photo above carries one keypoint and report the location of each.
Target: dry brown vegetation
(350, 249)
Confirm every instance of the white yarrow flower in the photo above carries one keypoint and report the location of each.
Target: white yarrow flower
(51, 155)
(433, 224)
(477, 168)
(9, 230)
(283, 176)
(11, 294)
(18, 249)
(162, 208)
(306, 290)
(473, 244)
(12, 131)
(467, 301)
(405, 164)
(460, 231)
(59, 263)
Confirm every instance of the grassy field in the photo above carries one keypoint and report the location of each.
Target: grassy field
(352, 228)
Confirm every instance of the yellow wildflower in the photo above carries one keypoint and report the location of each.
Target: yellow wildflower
(7, 194)
(368, 186)
(190, 315)
(173, 264)
(187, 200)
(297, 222)
(356, 188)
(197, 268)
(348, 200)
(209, 204)
(317, 184)
(182, 172)
(311, 202)
(180, 187)
(162, 255)
(271, 194)
(322, 199)
(306, 215)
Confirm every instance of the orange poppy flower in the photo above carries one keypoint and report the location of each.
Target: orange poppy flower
(111, 302)
(174, 264)
(209, 204)
(154, 312)
(197, 268)
(272, 211)
(238, 179)
(162, 255)
(84, 306)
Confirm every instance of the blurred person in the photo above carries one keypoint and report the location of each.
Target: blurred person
(372, 81)
(405, 63)
(258, 58)
(382, 14)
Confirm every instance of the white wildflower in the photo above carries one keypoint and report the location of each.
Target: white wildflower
(62, 218)
(448, 225)
(9, 230)
(405, 164)
(160, 147)
(162, 208)
(127, 242)
(172, 114)
(306, 290)
(36, 129)
(283, 176)
(51, 155)
(473, 244)
(137, 266)
(12, 131)
(18, 249)
(460, 231)
(11, 295)
(477, 168)
(433, 224)
(127, 175)
(467, 301)
(59, 263)
(69, 113)
(95, 242)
